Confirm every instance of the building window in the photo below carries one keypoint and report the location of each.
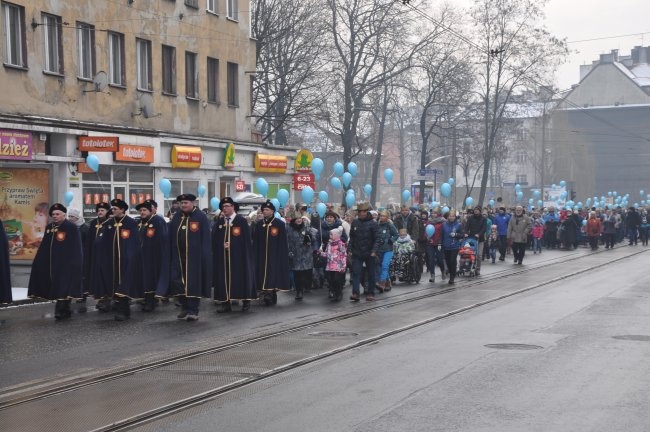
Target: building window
(232, 11)
(132, 184)
(522, 179)
(192, 3)
(86, 50)
(53, 44)
(211, 6)
(13, 18)
(179, 187)
(520, 157)
(233, 87)
(191, 75)
(116, 67)
(213, 80)
(143, 53)
(169, 69)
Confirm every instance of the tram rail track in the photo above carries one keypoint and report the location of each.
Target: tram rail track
(30, 395)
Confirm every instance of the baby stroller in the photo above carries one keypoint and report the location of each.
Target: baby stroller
(406, 267)
(467, 256)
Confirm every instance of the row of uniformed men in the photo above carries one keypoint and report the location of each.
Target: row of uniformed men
(122, 259)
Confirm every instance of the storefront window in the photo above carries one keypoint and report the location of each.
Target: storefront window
(132, 184)
(180, 187)
(273, 189)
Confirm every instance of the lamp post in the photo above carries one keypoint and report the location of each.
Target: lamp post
(435, 175)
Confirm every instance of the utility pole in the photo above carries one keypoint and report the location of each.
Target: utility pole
(543, 170)
(453, 165)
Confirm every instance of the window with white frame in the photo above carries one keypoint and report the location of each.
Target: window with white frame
(521, 179)
(86, 50)
(53, 45)
(191, 75)
(15, 49)
(233, 84)
(520, 157)
(143, 58)
(211, 6)
(213, 79)
(232, 12)
(116, 67)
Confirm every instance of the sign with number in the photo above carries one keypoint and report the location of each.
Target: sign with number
(240, 186)
(302, 180)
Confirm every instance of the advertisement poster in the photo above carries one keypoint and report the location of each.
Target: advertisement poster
(24, 206)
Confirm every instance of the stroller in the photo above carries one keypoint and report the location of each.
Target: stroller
(467, 256)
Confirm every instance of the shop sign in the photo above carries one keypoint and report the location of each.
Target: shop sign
(229, 157)
(303, 161)
(15, 144)
(271, 163)
(98, 144)
(302, 180)
(134, 153)
(186, 157)
(240, 186)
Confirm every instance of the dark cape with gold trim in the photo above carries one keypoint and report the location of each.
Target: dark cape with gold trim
(5, 278)
(119, 260)
(154, 238)
(191, 254)
(233, 277)
(271, 255)
(91, 245)
(57, 267)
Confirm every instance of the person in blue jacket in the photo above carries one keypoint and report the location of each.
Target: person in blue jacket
(501, 220)
(452, 237)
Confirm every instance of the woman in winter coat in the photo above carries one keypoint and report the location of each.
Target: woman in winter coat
(452, 237)
(519, 228)
(387, 236)
(593, 230)
(301, 261)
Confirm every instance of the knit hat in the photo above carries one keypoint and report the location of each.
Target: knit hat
(336, 233)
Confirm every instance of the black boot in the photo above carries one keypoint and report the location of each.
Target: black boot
(274, 297)
(224, 308)
(149, 302)
(122, 309)
(299, 292)
(246, 305)
(62, 310)
(103, 305)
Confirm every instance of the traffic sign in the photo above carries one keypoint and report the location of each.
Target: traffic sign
(428, 171)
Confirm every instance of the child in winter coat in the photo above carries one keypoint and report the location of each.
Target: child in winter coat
(467, 257)
(538, 234)
(493, 242)
(403, 248)
(337, 254)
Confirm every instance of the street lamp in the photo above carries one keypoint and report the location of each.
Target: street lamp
(435, 173)
(436, 160)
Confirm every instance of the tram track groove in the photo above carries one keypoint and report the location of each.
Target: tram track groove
(200, 398)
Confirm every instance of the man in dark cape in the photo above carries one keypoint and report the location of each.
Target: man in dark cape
(191, 253)
(57, 267)
(271, 255)
(90, 247)
(120, 261)
(5, 279)
(233, 277)
(154, 239)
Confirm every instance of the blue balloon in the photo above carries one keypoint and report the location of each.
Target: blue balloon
(520, 195)
(283, 197)
(321, 209)
(641, 192)
(350, 200)
(165, 187)
(517, 187)
(615, 193)
(262, 186)
(445, 210)
(553, 186)
(562, 183)
(580, 204)
(469, 201)
(406, 195)
(584, 222)
(317, 166)
(636, 205)
(445, 190)
(451, 181)
(323, 196)
(540, 203)
(430, 230)
(307, 195)
(367, 189)
(609, 193)
(531, 201)
(214, 203)
(536, 194)
(201, 190)
(92, 162)
(338, 169)
(336, 183)
(347, 179)
(68, 197)
(434, 204)
(388, 175)
(491, 203)
(277, 215)
(352, 169)
(275, 203)
(563, 195)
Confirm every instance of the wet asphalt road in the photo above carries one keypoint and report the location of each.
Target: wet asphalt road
(440, 377)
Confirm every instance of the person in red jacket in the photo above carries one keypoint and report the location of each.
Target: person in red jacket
(593, 230)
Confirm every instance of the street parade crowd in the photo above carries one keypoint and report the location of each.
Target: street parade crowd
(235, 259)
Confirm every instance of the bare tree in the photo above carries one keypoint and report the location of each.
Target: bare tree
(288, 85)
(517, 52)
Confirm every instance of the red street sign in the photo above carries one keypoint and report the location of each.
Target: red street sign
(302, 180)
(240, 186)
